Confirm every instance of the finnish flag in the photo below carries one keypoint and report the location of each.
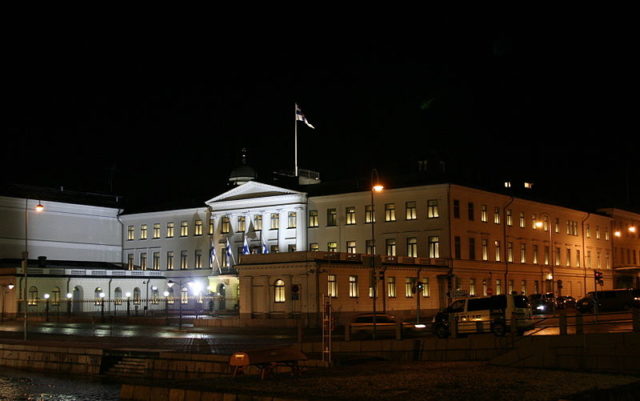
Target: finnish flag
(301, 117)
(245, 247)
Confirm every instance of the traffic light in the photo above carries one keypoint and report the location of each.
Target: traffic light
(598, 277)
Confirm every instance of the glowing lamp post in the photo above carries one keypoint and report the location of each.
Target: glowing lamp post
(5, 289)
(375, 187)
(46, 306)
(25, 262)
(69, 296)
(128, 295)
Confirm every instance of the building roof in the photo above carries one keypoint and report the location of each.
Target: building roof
(62, 194)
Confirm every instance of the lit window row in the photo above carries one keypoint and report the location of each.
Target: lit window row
(433, 247)
(350, 215)
(169, 230)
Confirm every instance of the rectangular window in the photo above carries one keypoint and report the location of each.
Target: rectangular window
(523, 287)
(412, 247)
(313, 218)
(510, 252)
(170, 260)
(391, 287)
(143, 231)
(522, 220)
(472, 287)
(588, 230)
(472, 248)
(350, 214)
(509, 218)
(257, 222)
(274, 249)
(390, 212)
(410, 211)
(332, 247)
(332, 217)
(556, 227)
(211, 226)
(496, 215)
(471, 212)
(456, 208)
(426, 289)
(156, 231)
(547, 256)
(198, 259)
(184, 260)
(332, 286)
(578, 258)
(130, 265)
(143, 261)
(131, 233)
(484, 214)
(369, 215)
(370, 247)
(536, 287)
(498, 287)
(597, 232)
(242, 224)
(485, 249)
(225, 225)
(568, 262)
(314, 247)
(535, 254)
(197, 229)
(558, 256)
(457, 248)
(351, 247)
(432, 209)
(275, 221)
(498, 251)
(510, 287)
(156, 261)
(434, 246)
(409, 285)
(184, 229)
(391, 247)
(523, 253)
(353, 286)
(292, 219)
(484, 288)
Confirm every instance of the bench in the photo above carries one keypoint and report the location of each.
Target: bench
(267, 360)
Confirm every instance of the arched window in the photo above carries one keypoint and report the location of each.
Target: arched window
(279, 295)
(117, 295)
(184, 295)
(33, 296)
(97, 296)
(136, 296)
(171, 299)
(155, 296)
(55, 296)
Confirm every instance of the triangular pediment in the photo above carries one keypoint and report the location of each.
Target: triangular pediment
(252, 190)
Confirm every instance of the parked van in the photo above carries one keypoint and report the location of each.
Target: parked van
(485, 315)
(609, 300)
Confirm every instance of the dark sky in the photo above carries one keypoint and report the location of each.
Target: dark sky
(162, 113)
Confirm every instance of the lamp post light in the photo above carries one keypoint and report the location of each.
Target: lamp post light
(101, 295)
(128, 295)
(69, 297)
(5, 289)
(551, 276)
(196, 290)
(166, 303)
(25, 261)
(46, 306)
(375, 187)
(170, 284)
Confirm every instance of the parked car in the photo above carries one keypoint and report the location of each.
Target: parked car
(385, 324)
(565, 302)
(609, 300)
(542, 303)
(485, 315)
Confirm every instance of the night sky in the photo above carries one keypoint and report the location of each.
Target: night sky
(161, 114)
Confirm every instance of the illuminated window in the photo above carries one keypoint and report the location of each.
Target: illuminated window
(155, 263)
(242, 224)
(198, 259)
(426, 289)
(432, 209)
(391, 287)
(498, 287)
(390, 212)
(279, 291)
(597, 232)
(332, 246)
(558, 256)
(130, 265)
(351, 247)
(510, 252)
(509, 218)
(313, 218)
(55, 296)
(197, 229)
(332, 217)
(143, 261)
(156, 230)
(577, 258)
(33, 296)
(136, 296)
(225, 225)
(522, 222)
(510, 287)
(472, 287)
(369, 215)
(332, 286)
(184, 295)
(412, 247)
(211, 226)
(184, 229)
(410, 211)
(496, 244)
(391, 247)
(353, 286)
(314, 247)
(275, 221)
(131, 233)
(496, 215)
(350, 214)
(547, 255)
(523, 253)
(171, 299)
(588, 231)
(292, 219)
(485, 249)
(434, 247)
(535, 254)
(556, 228)
(370, 247)
(409, 285)
(155, 296)
(98, 300)
(170, 230)
(184, 260)
(117, 296)
(170, 260)
(484, 214)
(143, 231)
(568, 261)
(484, 288)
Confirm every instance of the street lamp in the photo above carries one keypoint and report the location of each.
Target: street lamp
(101, 295)
(25, 260)
(5, 289)
(128, 295)
(170, 284)
(46, 307)
(376, 186)
(551, 276)
(69, 296)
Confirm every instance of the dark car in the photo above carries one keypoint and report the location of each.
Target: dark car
(609, 300)
(384, 324)
(565, 302)
(542, 303)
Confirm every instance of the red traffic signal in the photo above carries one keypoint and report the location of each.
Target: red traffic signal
(598, 277)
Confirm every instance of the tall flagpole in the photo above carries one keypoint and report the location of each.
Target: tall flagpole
(295, 141)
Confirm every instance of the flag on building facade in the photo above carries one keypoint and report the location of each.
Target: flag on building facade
(245, 247)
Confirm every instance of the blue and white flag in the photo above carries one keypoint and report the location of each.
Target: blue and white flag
(265, 250)
(245, 247)
(301, 117)
(229, 253)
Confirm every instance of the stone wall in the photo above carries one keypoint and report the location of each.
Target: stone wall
(84, 361)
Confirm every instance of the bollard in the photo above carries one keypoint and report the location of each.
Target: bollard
(563, 322)
(579, 323)
(635, 315)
